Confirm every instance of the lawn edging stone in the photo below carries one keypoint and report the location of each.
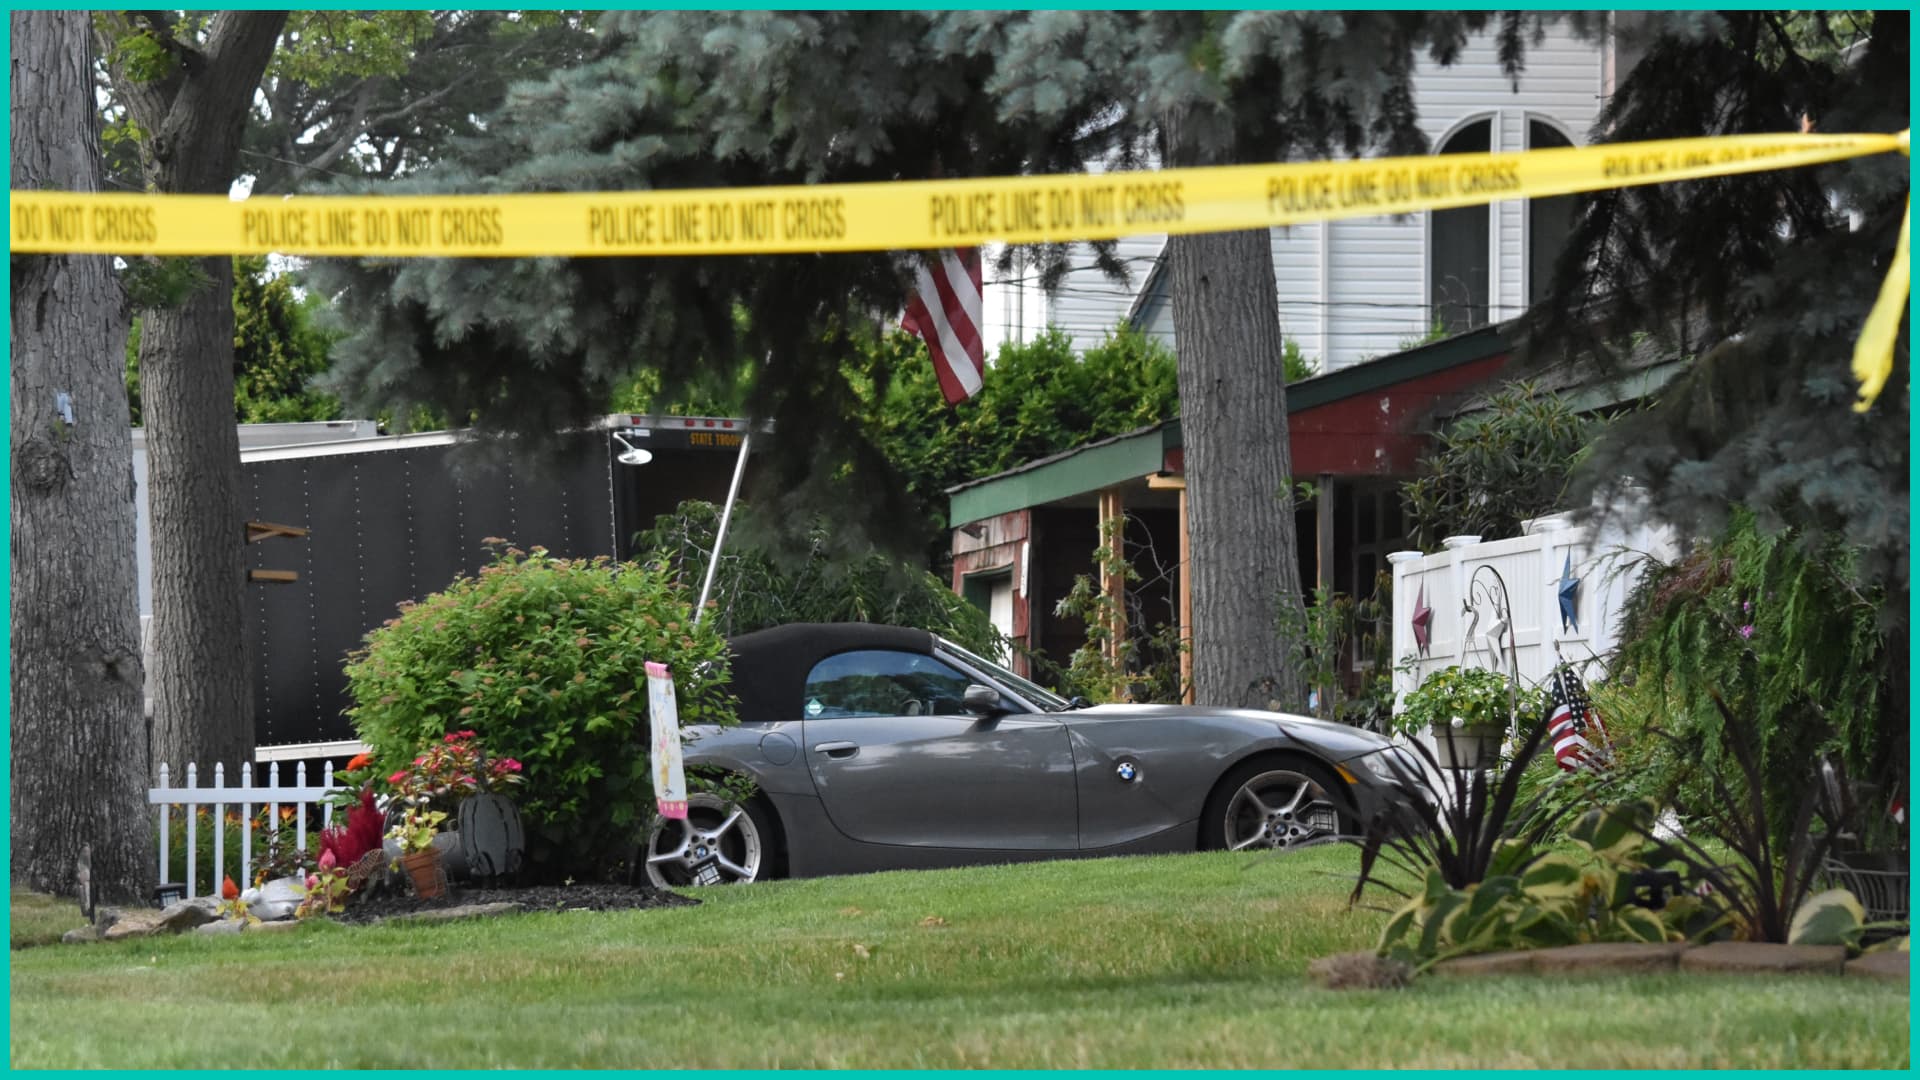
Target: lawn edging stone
(132, 924)
(462, 911)
(1753, 957)
(1518, 962)
(1632, 958)
(1623, 956)
(1884, 966)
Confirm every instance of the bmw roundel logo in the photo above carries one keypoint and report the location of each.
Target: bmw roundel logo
(1126, 771)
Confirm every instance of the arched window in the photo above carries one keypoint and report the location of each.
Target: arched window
(1459, 255)
(1548, 220)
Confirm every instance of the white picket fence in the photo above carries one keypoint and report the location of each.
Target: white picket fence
(191, 797)
(1607, 566)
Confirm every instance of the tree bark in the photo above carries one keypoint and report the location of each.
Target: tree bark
(79, 752)
(1244, 554)
(193, 118)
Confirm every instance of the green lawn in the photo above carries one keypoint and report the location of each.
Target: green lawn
(1175, 961)
(40, 920)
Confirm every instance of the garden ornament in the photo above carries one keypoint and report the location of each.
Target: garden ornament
(1569, 596)
(1495, 635)
(1422, 622)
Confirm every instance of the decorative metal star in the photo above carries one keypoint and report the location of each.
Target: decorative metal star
(1422, 622)
(1569, 596)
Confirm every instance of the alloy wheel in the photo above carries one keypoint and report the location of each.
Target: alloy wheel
(1281, 810)
(719, 843)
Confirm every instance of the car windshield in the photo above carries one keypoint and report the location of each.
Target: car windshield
(1033, 692)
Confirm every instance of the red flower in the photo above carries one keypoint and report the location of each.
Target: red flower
(510, 764)
(228, 890)
(465, 734)
(397, 778)
(360, 761)
(327, 861)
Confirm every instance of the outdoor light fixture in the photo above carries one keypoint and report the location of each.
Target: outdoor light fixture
(632, 455)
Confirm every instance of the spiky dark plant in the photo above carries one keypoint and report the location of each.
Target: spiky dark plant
(1467, 825)
(1771, 874)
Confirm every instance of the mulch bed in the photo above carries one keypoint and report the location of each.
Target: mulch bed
(576, 897)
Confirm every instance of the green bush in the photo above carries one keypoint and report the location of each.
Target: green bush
(1496, 468)
(1779, 630)
(543, 658)
(1038, 398)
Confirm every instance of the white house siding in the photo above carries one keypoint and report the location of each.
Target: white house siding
(1087, 305)
(1356, 289)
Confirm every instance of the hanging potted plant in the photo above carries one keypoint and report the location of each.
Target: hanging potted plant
(1468, 711)
(415, 833)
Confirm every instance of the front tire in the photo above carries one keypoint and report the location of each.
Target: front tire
(720, 843)
(1276, 804)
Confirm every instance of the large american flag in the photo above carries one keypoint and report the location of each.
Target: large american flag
(946, 312)
(1573, 724)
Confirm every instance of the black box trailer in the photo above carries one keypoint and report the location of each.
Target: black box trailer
(395, 518)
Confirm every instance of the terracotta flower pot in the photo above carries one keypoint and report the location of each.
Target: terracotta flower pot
(429, 882)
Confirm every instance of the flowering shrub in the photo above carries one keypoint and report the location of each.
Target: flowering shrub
(541, 658)
(453, 768)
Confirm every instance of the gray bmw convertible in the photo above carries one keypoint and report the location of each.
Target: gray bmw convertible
(884, 748)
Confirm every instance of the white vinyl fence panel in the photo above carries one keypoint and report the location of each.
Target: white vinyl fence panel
(190, 797)
(1606, 564)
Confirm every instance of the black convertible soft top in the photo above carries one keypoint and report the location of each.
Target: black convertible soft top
(770, 667)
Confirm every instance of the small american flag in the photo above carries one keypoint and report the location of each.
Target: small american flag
(947, 314)
(1579, 738)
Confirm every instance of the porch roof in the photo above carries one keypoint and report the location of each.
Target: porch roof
(1126, 458)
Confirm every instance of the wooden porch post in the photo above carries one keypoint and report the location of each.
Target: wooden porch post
(1186, 605)
(1163, 482)
(1113, 585)
(1323, 510)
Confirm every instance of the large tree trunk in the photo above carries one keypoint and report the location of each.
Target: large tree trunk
(79, 743)
(193, 117)
(202, 688)
(1244, 556)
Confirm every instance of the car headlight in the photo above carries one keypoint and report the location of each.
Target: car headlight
(1392, 764)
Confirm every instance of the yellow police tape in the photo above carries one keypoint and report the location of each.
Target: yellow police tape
(906, 214)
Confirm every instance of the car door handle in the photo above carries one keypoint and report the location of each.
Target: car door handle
(837, 749)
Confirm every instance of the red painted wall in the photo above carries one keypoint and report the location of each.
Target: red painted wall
(1379, 433)
(1383, 432)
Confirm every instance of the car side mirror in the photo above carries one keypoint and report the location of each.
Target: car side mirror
(982, 701)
